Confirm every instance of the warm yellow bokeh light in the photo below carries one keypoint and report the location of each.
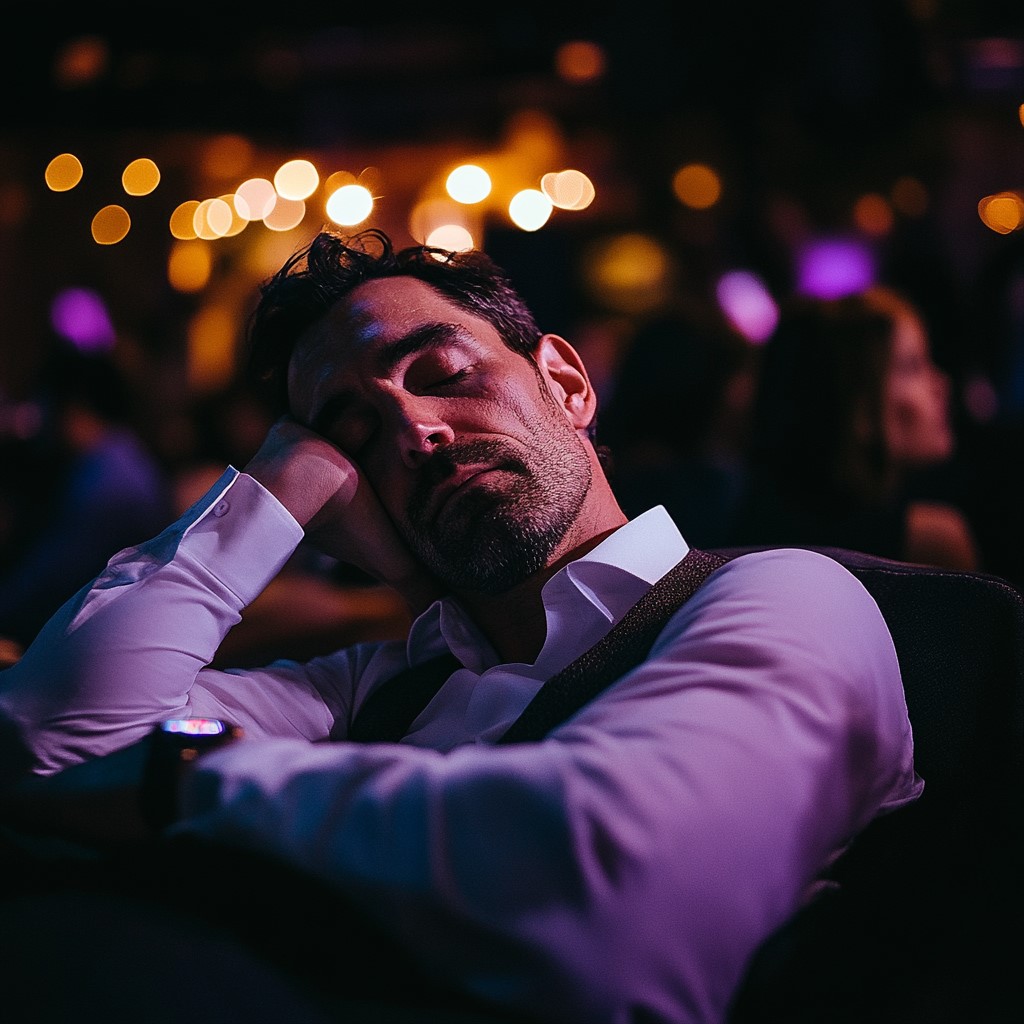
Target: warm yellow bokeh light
(349, 205)
(873, 215)
(14, 204)
(530, 209)
(81, 61)
(211, 348)
(453, 237)
(1003, 212)
(580, 60)
(630, 273)
(213, 218)
(110, 225)
(430, 215)
(296, 179)
(697, 186)
(568, 190)
(140, 177)
(909, 197)
(227, 156)
(63, 172)
(189, 266)
(286, 214)
(255, 198)
(182, 222)
(238, 222)
(1020, 113)
(337, 180)
(468, 184)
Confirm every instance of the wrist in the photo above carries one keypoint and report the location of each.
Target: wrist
(174, 746)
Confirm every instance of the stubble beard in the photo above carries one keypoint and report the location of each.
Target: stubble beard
(500, 532)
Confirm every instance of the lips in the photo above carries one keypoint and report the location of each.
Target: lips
(454, 485)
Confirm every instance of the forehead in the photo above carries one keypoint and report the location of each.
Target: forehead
(381, 310)
(361, 333)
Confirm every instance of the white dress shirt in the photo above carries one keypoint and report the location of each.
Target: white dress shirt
(628, 865)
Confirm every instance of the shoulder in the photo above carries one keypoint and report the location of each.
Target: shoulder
(788, 576)
(789, 602)
(939, 534)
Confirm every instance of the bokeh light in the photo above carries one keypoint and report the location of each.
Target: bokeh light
(212, 218)
(453, 237)
(909, 196)
(530, 209)
(255, 198)
(211, 348)
(183, 220)
(580, 60)
(286, 214)
(189, 266)
(569, 189)
(468, 183)
(63, 172)
(832, 267)
(349, 205)
(747, 304)
(873, 215)
(80, 316)
(296, 179)
(140, 177)
(1002, 212)
(630, 273)
(697, 186)
(110, 225)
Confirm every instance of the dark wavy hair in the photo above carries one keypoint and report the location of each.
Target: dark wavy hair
(331, 266)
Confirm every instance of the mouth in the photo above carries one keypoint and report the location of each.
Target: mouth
(463, 480)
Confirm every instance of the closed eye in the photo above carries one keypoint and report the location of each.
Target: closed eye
(452, 378)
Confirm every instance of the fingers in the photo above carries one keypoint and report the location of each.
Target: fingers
(303, 470)
(329, 496)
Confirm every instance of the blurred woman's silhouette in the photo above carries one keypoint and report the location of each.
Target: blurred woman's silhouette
(851, 421)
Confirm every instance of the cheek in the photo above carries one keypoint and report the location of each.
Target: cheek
(916, 426)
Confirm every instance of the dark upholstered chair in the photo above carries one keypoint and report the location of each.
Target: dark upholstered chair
(928, 925)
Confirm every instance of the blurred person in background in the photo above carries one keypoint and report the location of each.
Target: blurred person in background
(89, 483)
(850, 434)
(676, 421)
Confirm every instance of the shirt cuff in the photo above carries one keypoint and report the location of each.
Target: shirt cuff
(241, 534)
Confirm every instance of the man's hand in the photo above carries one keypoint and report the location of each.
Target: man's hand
(331, 499)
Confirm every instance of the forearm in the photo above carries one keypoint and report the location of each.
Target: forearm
(125, 651)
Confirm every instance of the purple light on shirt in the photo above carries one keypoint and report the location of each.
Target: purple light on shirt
(80, 316)
(833, 267)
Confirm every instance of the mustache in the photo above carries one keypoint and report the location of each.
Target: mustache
(445, 461)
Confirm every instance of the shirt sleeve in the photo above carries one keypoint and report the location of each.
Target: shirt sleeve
(629, 865)
(131, 647)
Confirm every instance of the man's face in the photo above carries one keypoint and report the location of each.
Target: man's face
(469, 452)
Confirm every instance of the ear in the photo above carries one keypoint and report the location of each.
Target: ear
(567, 379)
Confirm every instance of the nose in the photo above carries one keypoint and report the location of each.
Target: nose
(420, 433)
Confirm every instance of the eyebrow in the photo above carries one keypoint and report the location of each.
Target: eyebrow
(423, 338)
(427, 336)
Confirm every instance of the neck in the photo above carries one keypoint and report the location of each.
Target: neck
(514, 621)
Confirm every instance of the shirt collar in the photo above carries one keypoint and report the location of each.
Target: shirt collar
(611, 578)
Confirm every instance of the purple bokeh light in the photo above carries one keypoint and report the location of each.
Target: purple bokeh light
(80, 316)
(748, 304)
(830, 268)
